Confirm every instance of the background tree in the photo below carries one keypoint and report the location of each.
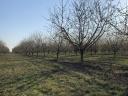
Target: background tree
(115, 43)
(120, 21)
(3, 48)
(57, 41)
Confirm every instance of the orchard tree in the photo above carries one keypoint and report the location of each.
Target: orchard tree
(57, 41)
(3, 48)
(120, 21)
(86, 23)
(114, 42)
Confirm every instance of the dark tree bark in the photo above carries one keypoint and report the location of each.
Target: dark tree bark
(82, 55)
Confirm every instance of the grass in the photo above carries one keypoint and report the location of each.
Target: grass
(99, 75)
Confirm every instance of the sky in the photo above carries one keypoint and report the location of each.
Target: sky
(21, 18)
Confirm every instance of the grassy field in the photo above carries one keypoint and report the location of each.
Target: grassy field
(99, 75)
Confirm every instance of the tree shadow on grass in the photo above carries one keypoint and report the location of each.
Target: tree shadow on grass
(100, 69)
(85, 67)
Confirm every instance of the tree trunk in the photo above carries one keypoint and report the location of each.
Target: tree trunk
(65, 53)
(81, 55)
(114, 53)
(95, 52)
(44, 52)
(91, 51)
(57, 55)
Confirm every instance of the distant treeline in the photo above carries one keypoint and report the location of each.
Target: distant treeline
(3, 48)
(37, 45)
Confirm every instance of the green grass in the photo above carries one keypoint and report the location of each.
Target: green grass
(31, 76)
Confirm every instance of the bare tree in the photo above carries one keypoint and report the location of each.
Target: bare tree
(87, 23)
(31, 45)
(3, 48)
(57, 41)
(93, 49)
(120, 20)
(114, 42)
(37, 37)
(105, 47)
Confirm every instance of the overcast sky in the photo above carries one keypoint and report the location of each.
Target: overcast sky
(21, 18)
